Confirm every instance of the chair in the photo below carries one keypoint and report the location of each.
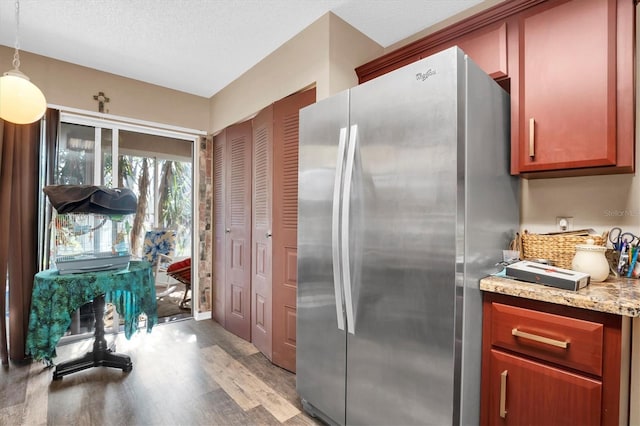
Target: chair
(158, 249)
(181, 271)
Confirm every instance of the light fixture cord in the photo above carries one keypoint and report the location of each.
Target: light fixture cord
(16, 55)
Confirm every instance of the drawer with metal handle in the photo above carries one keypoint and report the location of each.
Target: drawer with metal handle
(569, 342)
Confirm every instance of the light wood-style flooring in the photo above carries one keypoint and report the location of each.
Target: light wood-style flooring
(184, 373)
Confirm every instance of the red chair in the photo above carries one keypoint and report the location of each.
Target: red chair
(181, 271)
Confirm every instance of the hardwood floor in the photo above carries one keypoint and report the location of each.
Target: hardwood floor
(184, 373)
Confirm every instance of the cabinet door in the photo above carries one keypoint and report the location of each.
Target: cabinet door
(261, 234)
(219, 226)
(285, 223)
(567, 116)
(524, 392)
(238, 231)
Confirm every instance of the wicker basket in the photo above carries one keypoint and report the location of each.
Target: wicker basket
(558, 248)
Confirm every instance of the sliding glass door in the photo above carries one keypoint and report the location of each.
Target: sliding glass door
(156, 166)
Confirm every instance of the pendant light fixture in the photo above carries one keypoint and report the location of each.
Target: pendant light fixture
(21, 102)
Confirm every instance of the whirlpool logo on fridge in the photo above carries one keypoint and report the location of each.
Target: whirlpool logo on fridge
(422, 76)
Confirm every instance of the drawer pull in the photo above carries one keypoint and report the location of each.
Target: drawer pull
(503, 394)
(536, 338)
(532, 137)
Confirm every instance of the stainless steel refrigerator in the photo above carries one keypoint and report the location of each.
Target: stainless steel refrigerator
(405, 202)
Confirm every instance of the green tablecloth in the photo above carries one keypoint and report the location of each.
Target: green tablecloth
(56, 297)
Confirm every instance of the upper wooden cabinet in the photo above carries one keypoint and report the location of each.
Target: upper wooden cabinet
(569, 67)
(569, 114)
(487, 47)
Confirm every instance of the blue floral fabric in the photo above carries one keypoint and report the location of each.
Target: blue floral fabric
(56, 297)
(158, 242)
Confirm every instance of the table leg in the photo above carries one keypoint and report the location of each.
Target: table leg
(101, 356)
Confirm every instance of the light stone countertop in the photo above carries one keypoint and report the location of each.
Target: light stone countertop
(619, 296)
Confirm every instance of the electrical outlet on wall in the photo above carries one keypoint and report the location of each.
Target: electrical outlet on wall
(564, 223)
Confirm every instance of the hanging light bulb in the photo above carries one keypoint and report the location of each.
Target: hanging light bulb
(21, 102)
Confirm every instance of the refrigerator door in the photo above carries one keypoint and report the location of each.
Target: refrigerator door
(402, 238)
(321, 323)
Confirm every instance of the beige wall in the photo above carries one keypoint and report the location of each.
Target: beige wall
(73, 86)
(348, 49)
(325, 54)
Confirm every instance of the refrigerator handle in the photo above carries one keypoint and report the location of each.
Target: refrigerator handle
(335, 229)
(346, 197)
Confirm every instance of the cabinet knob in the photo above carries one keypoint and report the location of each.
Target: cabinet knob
(267, 235)
(227, 230)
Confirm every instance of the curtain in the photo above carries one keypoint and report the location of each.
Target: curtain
(19, 193)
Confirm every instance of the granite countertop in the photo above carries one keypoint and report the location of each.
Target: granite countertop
(619, 296)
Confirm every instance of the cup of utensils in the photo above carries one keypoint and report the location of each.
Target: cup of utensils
(623, 259)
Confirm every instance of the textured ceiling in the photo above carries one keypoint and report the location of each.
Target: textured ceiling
(197, 46)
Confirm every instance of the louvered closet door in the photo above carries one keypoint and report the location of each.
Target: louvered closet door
(219, 226)
(238, 239)
(261, 233)
(285, 223)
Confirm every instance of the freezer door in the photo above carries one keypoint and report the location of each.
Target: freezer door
(402, 238)
(321, 339)
(492, 214)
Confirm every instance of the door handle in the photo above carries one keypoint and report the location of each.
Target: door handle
(346, 196)
(335, 230)
(503, 394)
(532, 137)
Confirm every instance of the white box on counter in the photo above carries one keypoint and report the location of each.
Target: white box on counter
(540, 273)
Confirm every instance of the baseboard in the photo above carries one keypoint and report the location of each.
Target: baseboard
(202, 315)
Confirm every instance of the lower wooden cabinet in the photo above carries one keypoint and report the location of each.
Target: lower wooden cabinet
(547, 364)
(529, 392)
